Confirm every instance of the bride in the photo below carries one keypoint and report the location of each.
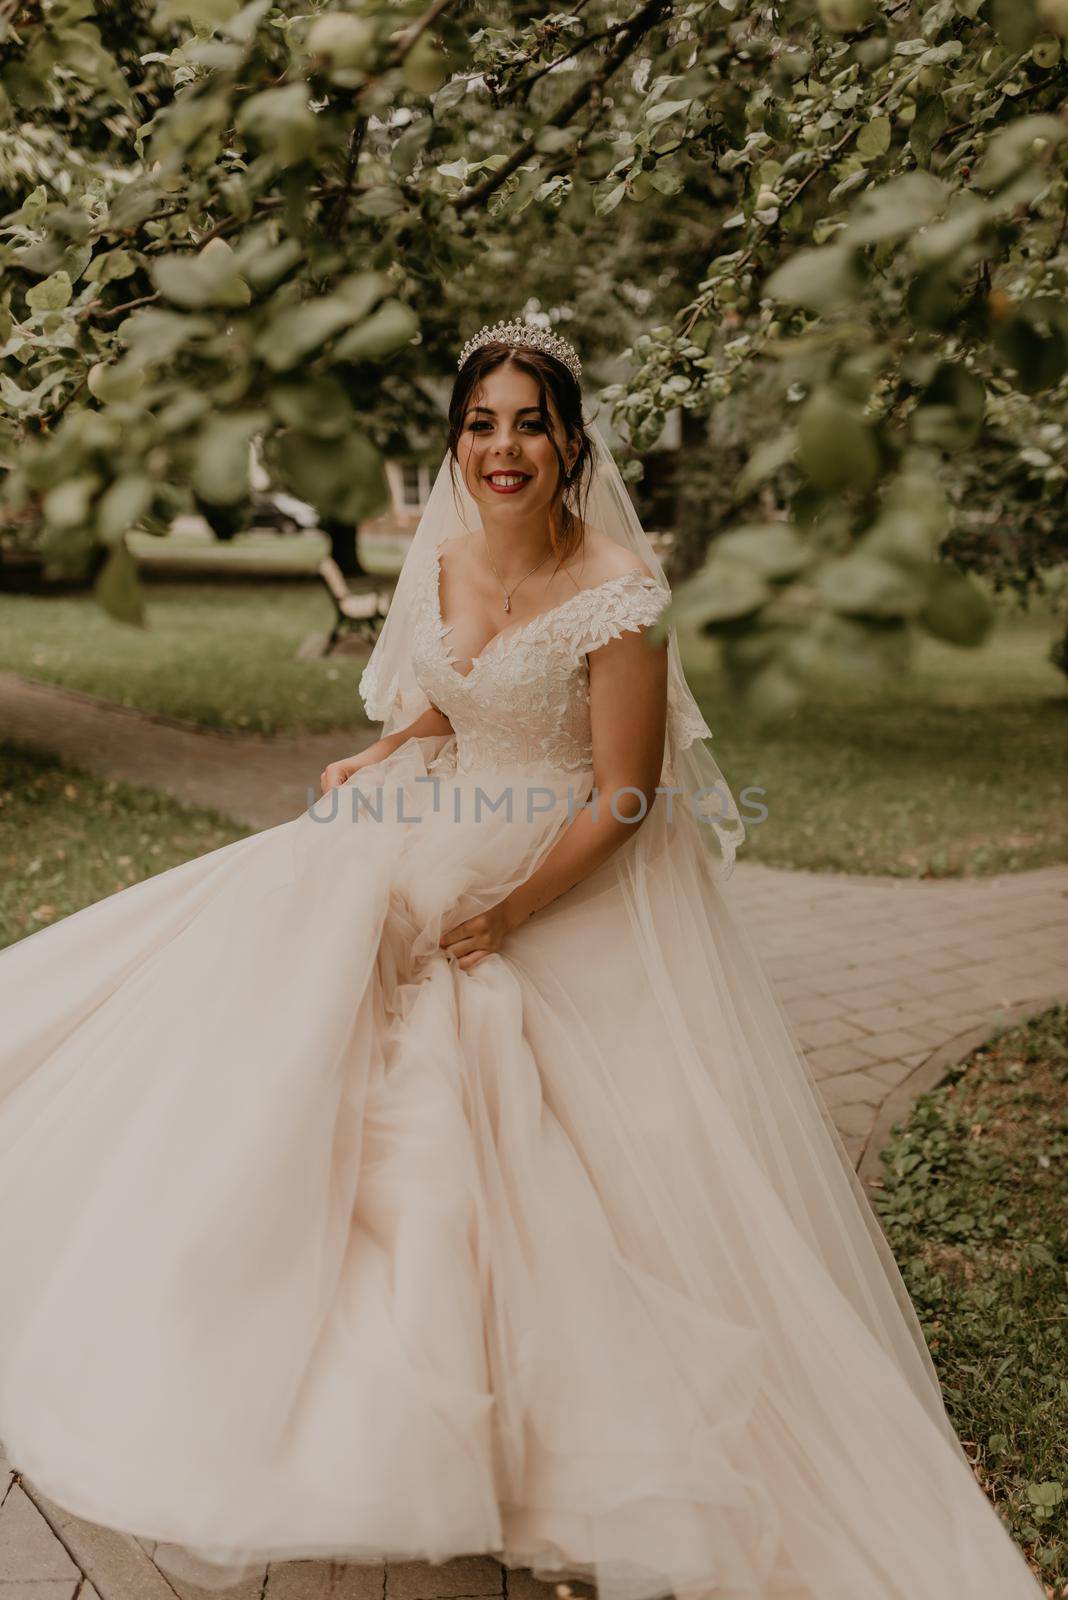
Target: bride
(437, 1173)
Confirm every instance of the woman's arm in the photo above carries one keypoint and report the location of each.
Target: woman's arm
(432, 724)
(628, 718)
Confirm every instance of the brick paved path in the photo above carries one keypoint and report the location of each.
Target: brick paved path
(887, 982)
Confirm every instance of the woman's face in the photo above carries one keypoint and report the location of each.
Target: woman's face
(506, 456)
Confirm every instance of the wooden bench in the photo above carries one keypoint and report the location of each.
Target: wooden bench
(359, 614)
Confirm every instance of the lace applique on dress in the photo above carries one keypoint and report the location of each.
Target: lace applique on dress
(524, 702)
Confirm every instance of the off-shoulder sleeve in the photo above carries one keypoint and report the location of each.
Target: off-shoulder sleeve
(622, 605)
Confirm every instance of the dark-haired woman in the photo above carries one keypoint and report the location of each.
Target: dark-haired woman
(436, 1173)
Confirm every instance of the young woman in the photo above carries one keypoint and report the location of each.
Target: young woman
(437, 1173)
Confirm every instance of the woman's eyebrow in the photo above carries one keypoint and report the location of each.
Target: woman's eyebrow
(521, 412)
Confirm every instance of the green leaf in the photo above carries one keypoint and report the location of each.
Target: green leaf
(118, 588)
(895, 209)
(607, 198)
(67, 505)
(268, 267)
(221, 456)
(383, 200)
(721, 591)
(663, 109)
(302, 328)
(1013, 147)
(928, 126)
(765, 460)
(819, 279)
(1047, 1494)
(773, 549)
(320, 407)
(51, 294)
(1034, 341)
(389, 328)
(941, 241)
(344, 480)
(837, 449)
(122, 505)
(449, 97)
(873, 140)
(156, 335)
(282, 121)
(862, 585)
(956, 610)
(424, 68)
(209, 278)
(951, 410)
(1015, 22)
(201, 13)
(111, 266)
(409, 147)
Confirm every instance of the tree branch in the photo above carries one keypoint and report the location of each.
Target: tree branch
(576, 49)
(627, 42)
(406, 38)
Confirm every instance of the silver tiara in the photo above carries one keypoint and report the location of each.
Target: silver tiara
(523, 334)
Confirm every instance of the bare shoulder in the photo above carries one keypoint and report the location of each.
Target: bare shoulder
(604, 558)
(456, 552)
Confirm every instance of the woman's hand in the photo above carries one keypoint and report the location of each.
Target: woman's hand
(480, 936)
(339, 772)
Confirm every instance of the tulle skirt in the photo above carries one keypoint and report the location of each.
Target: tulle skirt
(315, 1245)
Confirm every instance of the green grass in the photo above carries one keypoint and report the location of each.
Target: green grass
(957, 769)
(223, 656)
(68, 839)
(297, 553)
(194, 548)
(975, 1207)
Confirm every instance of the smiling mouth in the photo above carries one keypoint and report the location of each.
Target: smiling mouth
(507, 480)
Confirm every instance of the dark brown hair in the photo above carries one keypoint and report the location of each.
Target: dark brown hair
(555, 380)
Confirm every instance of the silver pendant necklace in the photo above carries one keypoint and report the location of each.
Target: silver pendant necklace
(508, 593)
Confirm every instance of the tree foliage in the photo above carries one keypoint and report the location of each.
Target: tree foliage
(832, 234)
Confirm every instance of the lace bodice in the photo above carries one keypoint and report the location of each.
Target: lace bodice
(524, 701)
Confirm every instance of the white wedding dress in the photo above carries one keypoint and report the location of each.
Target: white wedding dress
(313, 1244)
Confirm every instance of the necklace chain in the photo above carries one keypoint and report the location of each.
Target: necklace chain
(508, 593)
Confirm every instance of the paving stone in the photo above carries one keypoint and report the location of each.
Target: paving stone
(854, 1120)
(256, 780)
(522, 1585)
(115, 1562)
(814, 1007)
(463, 1575)
(248, 1589)
(853, 1088)
(888, 1046)
(29, 1549)
(837, 1058)
(832, 1030)
(63, 1589)
(324, 1580)
(891, 1073)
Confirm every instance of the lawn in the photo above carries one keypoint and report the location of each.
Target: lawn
(220, 655)
(959, 768)
(68, 839)
(975, 1207)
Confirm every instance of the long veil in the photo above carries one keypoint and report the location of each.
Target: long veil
(391, 693)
